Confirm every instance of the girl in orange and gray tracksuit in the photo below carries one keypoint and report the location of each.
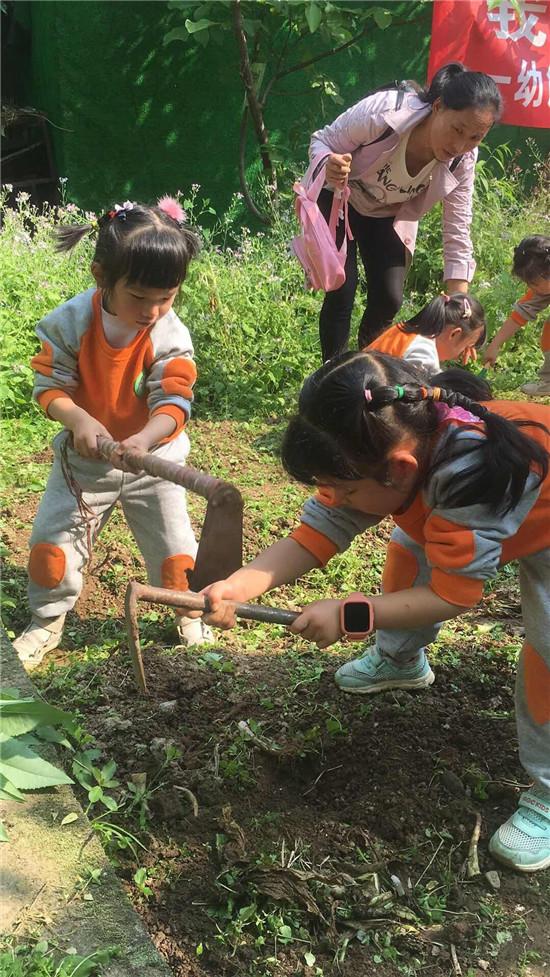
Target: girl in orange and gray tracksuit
(468, 488)
(115, 361)
(532, 266)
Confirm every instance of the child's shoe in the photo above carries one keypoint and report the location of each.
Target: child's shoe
(523, 841)
(538, 388)
(193, 631)
(372, 673)
(41, 635)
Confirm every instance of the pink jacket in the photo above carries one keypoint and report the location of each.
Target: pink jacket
(354, 131)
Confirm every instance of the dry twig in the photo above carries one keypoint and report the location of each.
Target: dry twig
(472, 865)
(191, 797)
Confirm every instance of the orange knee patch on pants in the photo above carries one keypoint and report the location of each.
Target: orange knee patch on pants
(536, 678)
(47, 565)
(401, 569)
(174, 571)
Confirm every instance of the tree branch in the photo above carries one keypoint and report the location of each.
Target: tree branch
(251, 98)
(263, 218)
(327, 54)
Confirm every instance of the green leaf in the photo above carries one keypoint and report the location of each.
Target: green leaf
(313, 16)
(109, 802)
(26, 770)
(176, 34)
(69, 818)
(95, 794)
(51, 735)
(8, 792)
(195, 26)
(40, 711)
(382, 18)
(309, 958)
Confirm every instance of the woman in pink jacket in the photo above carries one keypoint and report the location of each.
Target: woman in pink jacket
(402, 150)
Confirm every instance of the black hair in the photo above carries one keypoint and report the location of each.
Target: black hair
(460, 89)
(142, 245)
(341, 433)
(532, 258)
(457, 310)
(461, 381)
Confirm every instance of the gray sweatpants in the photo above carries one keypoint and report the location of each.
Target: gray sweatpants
(155, 511)
(533, 675)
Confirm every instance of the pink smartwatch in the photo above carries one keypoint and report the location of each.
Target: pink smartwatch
(356, 617)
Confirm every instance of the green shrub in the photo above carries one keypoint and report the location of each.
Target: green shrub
(254, 326)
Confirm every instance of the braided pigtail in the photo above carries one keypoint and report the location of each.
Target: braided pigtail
(508, 457)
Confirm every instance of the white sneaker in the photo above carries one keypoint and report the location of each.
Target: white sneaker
(193, 631)
(41, 635)
(538, 388)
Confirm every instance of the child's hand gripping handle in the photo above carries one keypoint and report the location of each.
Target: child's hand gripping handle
(189, 601)
(145, 461)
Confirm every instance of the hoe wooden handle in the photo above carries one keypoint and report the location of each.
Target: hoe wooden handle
(189, 478)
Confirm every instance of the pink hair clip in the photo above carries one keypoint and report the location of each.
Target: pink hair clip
(173, 208)
(368, 395)
(467, 310)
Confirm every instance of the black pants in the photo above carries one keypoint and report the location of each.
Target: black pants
(384, 259)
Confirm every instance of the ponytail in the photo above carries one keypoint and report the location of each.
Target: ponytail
(460, 89)
(358, 406)
(444, 310)
(69, 235)
(508, 458)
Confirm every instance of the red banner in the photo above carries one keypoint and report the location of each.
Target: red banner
(514, 50)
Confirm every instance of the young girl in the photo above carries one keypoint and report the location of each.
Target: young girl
(532, 266)
(468, 489)
(448, 328)
(115, 361)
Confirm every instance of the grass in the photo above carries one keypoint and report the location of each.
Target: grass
(255, 332)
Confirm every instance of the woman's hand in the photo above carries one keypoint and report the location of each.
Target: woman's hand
(338, 168)
(319, 622)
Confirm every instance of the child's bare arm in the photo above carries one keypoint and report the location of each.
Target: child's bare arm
(506, 331)
(158, 427)
(85, 428)
(404, 609)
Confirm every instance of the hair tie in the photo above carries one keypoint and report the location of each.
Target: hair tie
(368, 395)
(424, 392)
(435, 393)
(467, 313)
(172, 207)
(399, 392)
(446, 298)
(120, 210)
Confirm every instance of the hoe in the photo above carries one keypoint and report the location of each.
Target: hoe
(219, 553)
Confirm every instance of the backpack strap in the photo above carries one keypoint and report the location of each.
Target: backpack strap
(338, 204)
(402, 87)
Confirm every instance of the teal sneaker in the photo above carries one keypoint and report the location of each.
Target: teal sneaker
(523, 841)
(372, 673)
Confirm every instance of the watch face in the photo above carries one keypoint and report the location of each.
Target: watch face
(356, 617)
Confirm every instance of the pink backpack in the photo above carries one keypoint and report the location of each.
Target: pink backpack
(315, 248)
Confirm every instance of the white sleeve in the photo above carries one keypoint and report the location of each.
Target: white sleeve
(423, 352)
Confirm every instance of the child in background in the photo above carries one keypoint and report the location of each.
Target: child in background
(448, 328)
(115, 361)
(532, 266)
(469, 490)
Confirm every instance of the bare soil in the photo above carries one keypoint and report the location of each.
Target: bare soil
(363, 792)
